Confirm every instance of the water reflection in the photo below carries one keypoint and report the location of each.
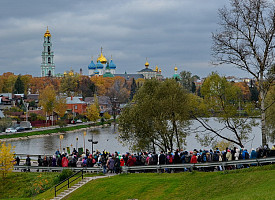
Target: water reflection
(107, 140)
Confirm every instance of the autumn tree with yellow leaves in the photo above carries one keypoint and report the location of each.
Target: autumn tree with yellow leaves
(6, 159)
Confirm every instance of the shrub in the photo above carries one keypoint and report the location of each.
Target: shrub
(63, 175)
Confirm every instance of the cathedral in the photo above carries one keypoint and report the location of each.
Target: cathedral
(47, 65)
(102, 68)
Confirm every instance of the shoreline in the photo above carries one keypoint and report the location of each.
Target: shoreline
(50, 134)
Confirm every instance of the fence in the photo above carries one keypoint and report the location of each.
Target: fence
(192, 166)
(68, 182)
(157, 168)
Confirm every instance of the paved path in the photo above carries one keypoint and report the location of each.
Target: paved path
(79, 184)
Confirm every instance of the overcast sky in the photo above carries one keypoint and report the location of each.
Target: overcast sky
(167, 32)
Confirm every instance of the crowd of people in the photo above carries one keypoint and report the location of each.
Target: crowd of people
(113, 162)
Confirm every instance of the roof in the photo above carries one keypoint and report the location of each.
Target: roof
(112, 65)
(38, 112)
(74, 100)
(130, 76)
(108, 74)
(146, 70)
(6, 95)
(102, 100)
(91, 65)
(33, 96)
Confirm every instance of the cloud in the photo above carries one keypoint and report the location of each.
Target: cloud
(167, 32)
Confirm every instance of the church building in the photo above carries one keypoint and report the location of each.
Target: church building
(47, 65)
(102, 68)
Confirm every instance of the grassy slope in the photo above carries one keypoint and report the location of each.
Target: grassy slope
(243, 184)
(19, 185)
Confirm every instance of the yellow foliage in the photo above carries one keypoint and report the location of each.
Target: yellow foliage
(92, 113)
(222, 145)
(6, 159)
(107, 115)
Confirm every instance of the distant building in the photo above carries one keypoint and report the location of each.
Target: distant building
(76, 105)
(103, 67)
(150, 73)
(47, 65)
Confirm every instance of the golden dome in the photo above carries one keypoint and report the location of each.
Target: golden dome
(47, 34)
(101, 58)
(157, 69)
(176, 69)
(65, 73)
(146, 63)
(71, 73)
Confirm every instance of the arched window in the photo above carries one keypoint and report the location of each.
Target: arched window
(49, 60)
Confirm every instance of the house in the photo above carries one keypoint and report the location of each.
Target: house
(104, 103)
(76, 105)
(6, 101)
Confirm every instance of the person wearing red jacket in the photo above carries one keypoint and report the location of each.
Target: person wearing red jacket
(65, 162)
(130, 161)
(194, 159)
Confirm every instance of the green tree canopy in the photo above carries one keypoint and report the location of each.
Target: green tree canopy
(156, 117)
(19, 86)
(223, 101)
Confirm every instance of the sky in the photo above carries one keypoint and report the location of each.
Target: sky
(168, 33)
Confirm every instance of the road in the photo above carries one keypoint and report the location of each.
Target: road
(47, 128)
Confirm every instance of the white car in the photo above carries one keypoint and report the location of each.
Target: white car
(10, 130)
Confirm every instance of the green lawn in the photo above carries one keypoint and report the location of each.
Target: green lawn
(242, 184)
(252, 183)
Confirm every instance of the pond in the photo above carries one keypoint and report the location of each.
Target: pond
(107, 140)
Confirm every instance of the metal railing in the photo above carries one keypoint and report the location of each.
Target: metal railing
(68, 182)
(57, 169)
(157, 168)
(192, 166)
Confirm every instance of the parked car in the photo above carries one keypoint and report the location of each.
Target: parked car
(20, 129)
(26, 125)
(10, 130)
(79, 121)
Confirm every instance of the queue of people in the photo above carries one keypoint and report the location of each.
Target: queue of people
(113, 162)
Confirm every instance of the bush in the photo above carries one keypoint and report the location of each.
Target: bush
(63, 175)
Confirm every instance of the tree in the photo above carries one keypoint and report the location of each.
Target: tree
(69, 84)
(60, 106)
(270, 115)
(246, 95)
(5, 123)
(246, 41)
(6, 159)
(19, 86)
(133, 89)
(92, 113)
(86, 86)
(223, 102)
(156, 117)
(47, 99)
(188, 81)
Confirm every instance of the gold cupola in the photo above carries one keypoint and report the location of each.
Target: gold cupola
(176, 69)
(157, 69)
(146, 63)
(47, 34)
(101, 58)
